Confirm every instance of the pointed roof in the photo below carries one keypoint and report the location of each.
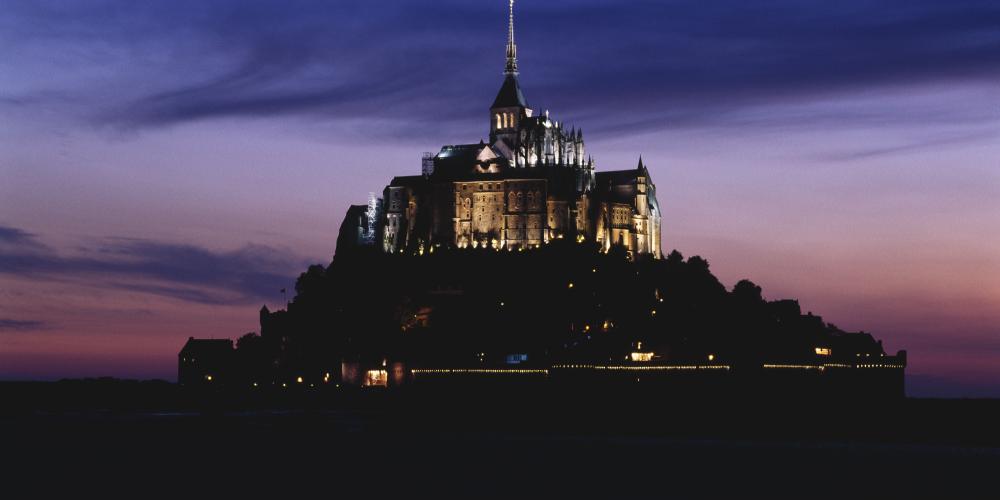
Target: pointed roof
(511, 67)
(642, 167)
(510, 95)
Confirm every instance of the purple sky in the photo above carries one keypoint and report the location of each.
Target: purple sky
(167, 166)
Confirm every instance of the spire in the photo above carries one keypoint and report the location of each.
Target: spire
(511, 68)
(640, 163)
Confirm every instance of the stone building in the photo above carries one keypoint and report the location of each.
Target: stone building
(532, 183)
(205, 362)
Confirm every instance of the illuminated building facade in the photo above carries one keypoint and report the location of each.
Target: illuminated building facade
(532, 183)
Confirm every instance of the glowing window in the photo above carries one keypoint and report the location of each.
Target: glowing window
(823, 351)
(642, 357)
(376, 378)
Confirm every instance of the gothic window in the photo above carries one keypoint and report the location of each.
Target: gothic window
(498, 121)
(505, 120)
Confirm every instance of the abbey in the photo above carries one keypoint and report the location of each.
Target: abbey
(532, 183)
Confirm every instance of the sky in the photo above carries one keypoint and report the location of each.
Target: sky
(166, 167)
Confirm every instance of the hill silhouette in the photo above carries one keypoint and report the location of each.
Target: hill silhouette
(565, 302)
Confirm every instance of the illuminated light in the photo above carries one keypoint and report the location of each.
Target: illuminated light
(501, 304)
(283, 384)
(376, 378)
(662, 367)
(642, 357)
(606, 324)
(483, 371)
(798, 367)
(823, 351)
(570, 284)
(654, 312)
(594, 270)
(586, 328)
(326, 378)
(255, 384)
(298, 379)
(208, 378)
(711, 357)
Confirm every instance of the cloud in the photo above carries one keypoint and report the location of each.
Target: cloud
(930, 143)
(15, 236)
(658, 63)
(185, 272)
(17, 325)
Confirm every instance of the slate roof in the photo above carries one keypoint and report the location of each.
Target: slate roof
(202, 347)
(510, 94)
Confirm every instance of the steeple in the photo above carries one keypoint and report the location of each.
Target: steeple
(511, 68)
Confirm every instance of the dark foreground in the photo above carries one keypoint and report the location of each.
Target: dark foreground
(448, 445)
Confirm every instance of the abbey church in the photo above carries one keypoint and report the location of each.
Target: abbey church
(532, 183)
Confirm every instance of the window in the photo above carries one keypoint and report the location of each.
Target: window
(498, 120)
(376, 378)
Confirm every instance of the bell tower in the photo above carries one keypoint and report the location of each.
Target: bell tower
(510, 107)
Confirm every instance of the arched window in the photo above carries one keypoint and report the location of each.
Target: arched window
(512, 120)
(505, 115)
(498, 120)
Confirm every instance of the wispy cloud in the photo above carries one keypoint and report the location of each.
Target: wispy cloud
(654, 62)
(930, 143)
(185, 272)
(19, 325)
